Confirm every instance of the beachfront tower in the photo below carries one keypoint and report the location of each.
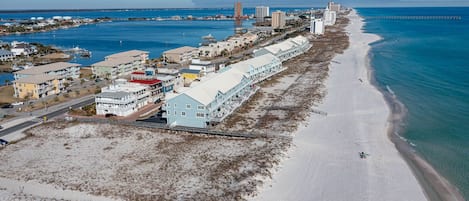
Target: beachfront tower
(317, 26)
(261, 13)
(278, 20)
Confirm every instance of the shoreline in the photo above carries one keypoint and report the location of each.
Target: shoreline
(357, 120)
(435, 186)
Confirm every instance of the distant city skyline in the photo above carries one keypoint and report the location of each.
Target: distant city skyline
(112, 4)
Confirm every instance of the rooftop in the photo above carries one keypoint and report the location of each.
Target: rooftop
(256, 62)
(113, 95)
(131, 53)
(47, 68)
(115, 62)
(138, 73)
(146, 82)
(37, 79)
(5, 52)
(190, 71)
(125, 87)
(181, 50)
(205, 92)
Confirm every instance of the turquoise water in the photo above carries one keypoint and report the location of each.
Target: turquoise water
(426, 64)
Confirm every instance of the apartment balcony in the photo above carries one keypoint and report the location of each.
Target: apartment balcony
(114, 101)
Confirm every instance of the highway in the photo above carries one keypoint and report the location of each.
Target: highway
(50, 115)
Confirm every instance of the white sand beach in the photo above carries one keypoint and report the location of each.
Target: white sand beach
(324, 163)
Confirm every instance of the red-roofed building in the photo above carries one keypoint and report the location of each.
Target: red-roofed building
(154, 86)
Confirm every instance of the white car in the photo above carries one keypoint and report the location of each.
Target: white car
(17, 103)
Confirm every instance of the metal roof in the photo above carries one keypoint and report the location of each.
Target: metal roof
(115, 62)
(5, 52)
(206, 92)
(47, 68)
(37, 79)
(190, 71)
(181, 50)
(131, 53)
(256, 62)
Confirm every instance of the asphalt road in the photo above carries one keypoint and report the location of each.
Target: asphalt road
(48, 115)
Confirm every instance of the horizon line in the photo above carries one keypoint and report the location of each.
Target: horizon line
(226, 8)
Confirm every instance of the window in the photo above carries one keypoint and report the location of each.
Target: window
(188, 106)
(183, 114)
(175, 113)
(174, 105)
(200, 115)
(201, 107)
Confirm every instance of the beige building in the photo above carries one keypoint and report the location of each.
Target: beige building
(182, 55)
(136, 54)
(116, 67)
(38, 86)
(333, 6)
(278, 20)
(61, 69)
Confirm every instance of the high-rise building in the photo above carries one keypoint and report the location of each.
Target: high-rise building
(329, 17)
(261, 13)
(278, 20)
(333, 6)
(238, 10)
(317, 26)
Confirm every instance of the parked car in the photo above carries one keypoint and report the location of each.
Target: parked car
(17, 103)
(110, 115)
(8, 105)
(3, 142)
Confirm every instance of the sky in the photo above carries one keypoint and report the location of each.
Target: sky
(91, 4)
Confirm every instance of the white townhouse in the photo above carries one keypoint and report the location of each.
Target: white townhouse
(287, 49)
(122, 98)
(259, 68)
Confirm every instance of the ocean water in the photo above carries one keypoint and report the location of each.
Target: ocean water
(153, 36)
(426, 64)
(111, 37)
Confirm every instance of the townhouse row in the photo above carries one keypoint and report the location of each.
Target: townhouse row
(209, 102)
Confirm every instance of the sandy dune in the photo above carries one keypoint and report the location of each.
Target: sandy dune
(324, 163)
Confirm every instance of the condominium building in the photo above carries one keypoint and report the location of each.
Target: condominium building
(60, 69)
(278, 20)
(333, 6)
(38, 86)
(149, 79)
(261, 13)
(287, 49)
(140, 55)
(116, 67)
(329, 17)
(122, 98)
(317, 26)
(182, 55)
